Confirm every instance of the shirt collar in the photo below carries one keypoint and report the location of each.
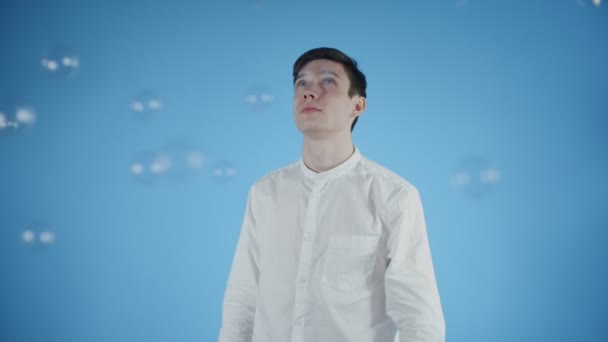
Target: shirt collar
(321, 177)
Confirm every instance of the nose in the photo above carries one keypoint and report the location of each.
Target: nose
(309, 94)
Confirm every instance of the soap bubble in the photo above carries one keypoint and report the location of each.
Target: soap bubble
(38, 235)
(185, 160)
(60, 62)
(223, 171)
(149, 166)
(259, 98)
(28, 236)
(16, 116)
(590, 3)
(46, 237)
(146, 105)
(476, 176)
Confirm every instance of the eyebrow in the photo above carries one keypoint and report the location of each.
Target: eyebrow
(322, 72)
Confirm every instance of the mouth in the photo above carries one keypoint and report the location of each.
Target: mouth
(310, 110)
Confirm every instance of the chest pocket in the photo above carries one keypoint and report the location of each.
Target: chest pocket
(349, 263)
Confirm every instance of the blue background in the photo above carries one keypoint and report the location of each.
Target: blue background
(521, 84)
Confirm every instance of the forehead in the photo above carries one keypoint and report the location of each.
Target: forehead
(323, 65)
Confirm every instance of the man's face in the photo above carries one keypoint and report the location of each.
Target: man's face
(321, 103)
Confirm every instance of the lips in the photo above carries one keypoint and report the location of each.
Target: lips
(310, 110)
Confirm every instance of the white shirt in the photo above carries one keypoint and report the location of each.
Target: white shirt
(340, 255)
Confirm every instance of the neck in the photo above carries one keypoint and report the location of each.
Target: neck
(322, 154)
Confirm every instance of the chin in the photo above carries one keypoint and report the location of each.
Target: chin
(312, 132)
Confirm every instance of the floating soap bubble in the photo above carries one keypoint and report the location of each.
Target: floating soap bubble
(60, 62)
(16, 116)
(185, 160)
(46, 237)
(149, 166)
(28, 236)
(259, 98)
(476, 176)
(590, 3)
(223, 171)
(146, 105)
(37, 236)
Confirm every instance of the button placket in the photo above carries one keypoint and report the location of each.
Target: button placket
(301, 292)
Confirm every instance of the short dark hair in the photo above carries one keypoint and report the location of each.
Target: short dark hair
(358, 84)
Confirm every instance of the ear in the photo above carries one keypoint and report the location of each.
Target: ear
(359, 106)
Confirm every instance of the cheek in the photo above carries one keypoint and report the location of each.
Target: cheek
(297, 98)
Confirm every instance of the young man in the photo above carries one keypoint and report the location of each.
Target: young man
(334, 246)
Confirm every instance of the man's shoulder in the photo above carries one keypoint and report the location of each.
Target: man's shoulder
(385, 177)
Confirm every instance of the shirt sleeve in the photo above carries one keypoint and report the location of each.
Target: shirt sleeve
(412, 297)
(239, 305)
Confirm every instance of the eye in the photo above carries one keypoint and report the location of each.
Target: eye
(300, 83)
(329, 80)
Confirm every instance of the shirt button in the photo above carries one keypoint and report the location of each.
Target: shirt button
(298, 323)
(302, 280)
